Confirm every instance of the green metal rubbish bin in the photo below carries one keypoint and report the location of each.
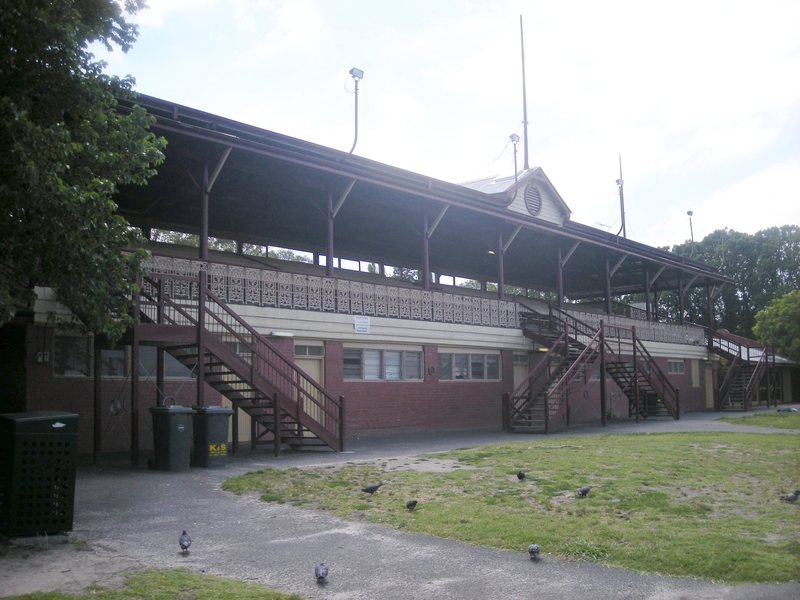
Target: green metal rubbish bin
(172, 437)
(37, 472)
(211, 436)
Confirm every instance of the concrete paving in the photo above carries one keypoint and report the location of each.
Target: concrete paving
(136, 515)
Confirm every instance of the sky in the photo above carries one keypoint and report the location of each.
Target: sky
(700, 99)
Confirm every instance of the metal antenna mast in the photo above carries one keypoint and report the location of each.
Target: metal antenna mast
(524, 97)
(621, 201)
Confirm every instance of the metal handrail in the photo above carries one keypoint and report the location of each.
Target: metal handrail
(286, 375)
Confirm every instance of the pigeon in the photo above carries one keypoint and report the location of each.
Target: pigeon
(584, 491)
(185, 541)
(533, 550)
(791, 497)
(321, 572)
(411, 504)
(371, 489)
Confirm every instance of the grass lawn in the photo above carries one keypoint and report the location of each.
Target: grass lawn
(172, 584)
(700, 505)
(776, 419)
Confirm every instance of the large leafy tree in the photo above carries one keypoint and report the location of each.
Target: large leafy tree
(779, 325)
(64, 149)
(764, 266)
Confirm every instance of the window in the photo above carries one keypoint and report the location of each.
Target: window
(71, 356)
(457, 366)
(309, 351)
(173, 368)
(113, 362)
(676, 367)
(377, 365)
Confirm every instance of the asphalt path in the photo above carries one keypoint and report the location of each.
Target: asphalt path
(136, 515)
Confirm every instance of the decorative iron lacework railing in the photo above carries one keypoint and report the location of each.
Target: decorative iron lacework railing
(645, 330)
(280, 289)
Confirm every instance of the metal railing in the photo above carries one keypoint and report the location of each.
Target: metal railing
(239, 285)
(258, 362)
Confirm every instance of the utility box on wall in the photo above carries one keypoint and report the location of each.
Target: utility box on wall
(37, 472)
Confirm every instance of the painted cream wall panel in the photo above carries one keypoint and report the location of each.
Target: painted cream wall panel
(334, 326)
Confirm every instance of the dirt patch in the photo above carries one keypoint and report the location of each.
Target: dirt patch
(67, 566)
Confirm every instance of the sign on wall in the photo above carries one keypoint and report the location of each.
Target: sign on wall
(361, 323)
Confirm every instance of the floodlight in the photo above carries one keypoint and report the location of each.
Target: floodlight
(357, 73)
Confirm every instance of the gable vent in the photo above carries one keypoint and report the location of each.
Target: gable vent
(533, 200)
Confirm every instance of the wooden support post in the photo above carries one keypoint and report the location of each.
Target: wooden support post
(329, 252)
(98, 399)
(681, 299)
(253, 432)
(277, 424)
(709, 307)
(201, 333)
(603, 406)
(341, 423)
(204, 212)
(608, 289)
(235, 430)
(501, 278)
(426, 258)
(135, 398)
(159, 376)
(647, 307)
(506, 399)
(635, 378)
(560, 280)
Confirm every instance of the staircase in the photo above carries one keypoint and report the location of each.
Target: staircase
(747, 365)
(641, 381)
(192, 324)
(574, 352)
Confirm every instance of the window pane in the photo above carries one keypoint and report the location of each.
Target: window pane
(352, 364)
(173, 368)
(445, 366)
(492, 366)
(394, 366)
(461, 366)
(112, 362)
(372, 364)
(413, 365)
(476, 361)
(71, 356)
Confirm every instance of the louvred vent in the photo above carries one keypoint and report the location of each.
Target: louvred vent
(533, 200)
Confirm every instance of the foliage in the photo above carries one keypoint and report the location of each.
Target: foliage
(779, 325)
(660, 502)
(63, 152)
(171, 584)
(764, 266)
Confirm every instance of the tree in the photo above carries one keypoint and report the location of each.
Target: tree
(64, 150)
(764, 266)
(779, 325)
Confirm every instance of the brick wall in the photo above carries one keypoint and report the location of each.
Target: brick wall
(429, 405)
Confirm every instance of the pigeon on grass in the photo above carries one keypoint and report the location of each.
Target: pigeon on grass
(792, 497)
(533, 551)
(521, 475)
(584, 491)
(185, 541)
(411, 504)
(321, 572)
(371, 489)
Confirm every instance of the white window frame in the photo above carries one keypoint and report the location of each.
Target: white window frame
(383, 369)
(466, 365)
